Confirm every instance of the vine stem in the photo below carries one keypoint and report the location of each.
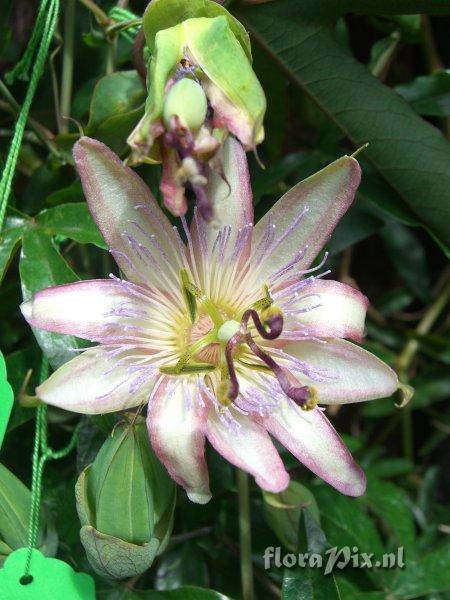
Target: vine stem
(407, 355)
(425, 324)
(100, 14)
(245, 536)
(67, 65)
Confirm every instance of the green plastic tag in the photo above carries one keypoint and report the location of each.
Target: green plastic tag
(6, 399)
(49, 579)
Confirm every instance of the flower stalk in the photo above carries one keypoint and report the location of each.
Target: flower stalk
(245, 535)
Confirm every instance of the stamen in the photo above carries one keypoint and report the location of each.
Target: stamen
(189, 297)
(304, 396)
(189, 368)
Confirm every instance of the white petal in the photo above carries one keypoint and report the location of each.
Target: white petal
(352, 373)
(113, 191)
(327, 196)
(175, 422)
(231, 195)
(84, 308)
(310, 437)
(94, 383)
(328, 309)
(249, 448)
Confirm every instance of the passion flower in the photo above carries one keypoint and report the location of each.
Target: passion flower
(228, 334)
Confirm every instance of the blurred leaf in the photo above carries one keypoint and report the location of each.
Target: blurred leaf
(10, 237)
(357, 224)
(409, 259)
(184, 566)
(436, 346)
(42, 266)
(71, 193)
(431, 386)
(182, 593)
(428, 94)
(73, 221)
(385, 200)
(425, 575)
(394, 301)
(382, 53)
(407, 151)
(283, 510)
(391, 467)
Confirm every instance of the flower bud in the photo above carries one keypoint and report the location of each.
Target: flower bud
(186, 100)
(15, 500)
(125, 501)
(201, 88)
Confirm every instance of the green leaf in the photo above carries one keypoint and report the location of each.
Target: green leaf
(282, 512)
(73, 221)
(10, 238)
(182, 593)
(410, 154)
(6, 399)
(429, 94)
(116, 107)
(390, 503)
(345, 523)
(309, 582)
(42, 266)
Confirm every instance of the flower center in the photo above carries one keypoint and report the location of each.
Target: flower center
(216, 342)
(227, 330)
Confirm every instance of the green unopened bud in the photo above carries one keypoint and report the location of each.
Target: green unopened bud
(15, 500)
(125, 502)
(186, 100)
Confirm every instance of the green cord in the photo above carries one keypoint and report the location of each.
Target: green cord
(122, 15)
(40, 39)
(41, 454)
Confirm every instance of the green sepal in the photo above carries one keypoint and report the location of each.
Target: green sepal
(113, 557)
(162, 14)
(215, 49)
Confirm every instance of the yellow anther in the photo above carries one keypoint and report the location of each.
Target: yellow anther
(271, 311)
(264, 302)
(313, 399)
(223, 393)
(189, 297)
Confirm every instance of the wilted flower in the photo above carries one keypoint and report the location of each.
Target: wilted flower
(230, 336)
(125, 501)
(201, 86)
